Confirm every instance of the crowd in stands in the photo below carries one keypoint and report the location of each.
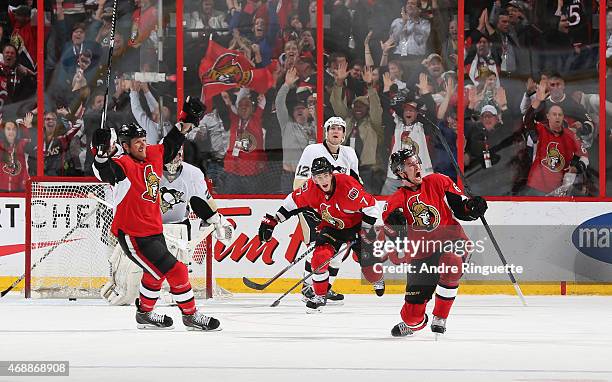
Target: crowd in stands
(390, 72)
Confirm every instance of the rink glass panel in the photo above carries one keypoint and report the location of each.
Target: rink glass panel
(543, 48)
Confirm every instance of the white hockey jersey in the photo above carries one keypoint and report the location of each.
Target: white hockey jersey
(413, 135)
(347, 162)
(175, 195)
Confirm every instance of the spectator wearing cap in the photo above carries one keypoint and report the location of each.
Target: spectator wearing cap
(483, 137)
(403, 129)
(364, 131)
(298, 129)
(479, 59)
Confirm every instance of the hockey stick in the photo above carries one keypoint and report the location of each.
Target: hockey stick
(61, 241)
(253, 285)
(442, 140)
(108, 69)
(309, 275)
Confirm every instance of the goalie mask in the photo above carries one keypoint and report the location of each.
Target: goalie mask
(174, 167)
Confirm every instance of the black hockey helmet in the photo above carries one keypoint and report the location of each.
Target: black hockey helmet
(320, 166)
(128, 131)
(399, 157)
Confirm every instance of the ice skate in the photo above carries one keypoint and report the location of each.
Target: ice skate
(307, 292)
(314, 304)
(334, 298)
(438, 325)
(198, 321)
(151, 320)
(401, 330)
(379, 287)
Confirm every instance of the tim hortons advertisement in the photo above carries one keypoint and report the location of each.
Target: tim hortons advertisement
(555, 241)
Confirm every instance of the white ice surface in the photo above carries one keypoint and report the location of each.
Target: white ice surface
(489, 338)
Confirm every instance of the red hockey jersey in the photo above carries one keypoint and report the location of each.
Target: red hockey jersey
(553, 156)
(341, 210)
(427, 212)
(137, 201)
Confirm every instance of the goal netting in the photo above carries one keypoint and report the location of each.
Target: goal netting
(68, 227)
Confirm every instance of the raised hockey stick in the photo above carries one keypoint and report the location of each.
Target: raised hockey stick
(468, 191)
(309, 275)
(108, 69)
(61, 241)
(253, 285)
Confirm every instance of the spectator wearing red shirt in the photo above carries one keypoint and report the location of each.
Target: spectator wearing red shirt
(245, 160)
(13, 148)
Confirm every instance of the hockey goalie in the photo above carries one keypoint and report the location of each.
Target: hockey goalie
(182, 190)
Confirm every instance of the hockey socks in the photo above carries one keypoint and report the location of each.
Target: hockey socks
(180, 288)
(414, 315)
(149, 291)
(445, 296)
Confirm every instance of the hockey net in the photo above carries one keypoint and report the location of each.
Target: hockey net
(68, 223)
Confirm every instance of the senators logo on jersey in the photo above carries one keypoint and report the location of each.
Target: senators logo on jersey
(426, 217)
(554, 160)
(152, 184)
(327, 216)
(408, 142)
(170, 198)
(12, 168)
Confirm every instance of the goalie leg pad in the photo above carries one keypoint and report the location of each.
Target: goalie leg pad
(122, 288)
(180, 288)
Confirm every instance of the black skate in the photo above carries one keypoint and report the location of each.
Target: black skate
(198, 321)
(152, 320)
(307, 292)
(401, 330)
(379, 287)
(438, 325)
(314, 304)
(334, 298)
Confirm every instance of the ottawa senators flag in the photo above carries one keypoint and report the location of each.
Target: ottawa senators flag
(222, 69)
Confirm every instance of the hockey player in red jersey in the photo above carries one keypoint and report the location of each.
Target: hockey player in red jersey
(347, 212)
(431, 205)
(137, 224)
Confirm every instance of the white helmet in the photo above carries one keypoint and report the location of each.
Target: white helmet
(334, 121)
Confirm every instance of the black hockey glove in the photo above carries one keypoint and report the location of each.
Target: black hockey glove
(395, 225)
(101, 141)
(476, 207)
(581, 168)
(193, 111)
(266, 228)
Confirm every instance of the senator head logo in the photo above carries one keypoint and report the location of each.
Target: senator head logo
(228, 70)
(408, 142)
(327, 216)
(151, 183)
(426, 217)
(553, 161)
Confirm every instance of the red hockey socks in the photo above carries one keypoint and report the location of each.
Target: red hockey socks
(445, 296)
(414, 315)
(180, 288)
(320, 280)
(149, 291)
